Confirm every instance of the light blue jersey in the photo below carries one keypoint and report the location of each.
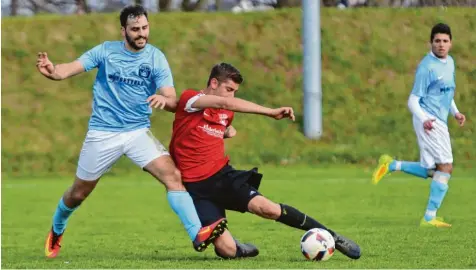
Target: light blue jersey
(123, 83)
(435, 84)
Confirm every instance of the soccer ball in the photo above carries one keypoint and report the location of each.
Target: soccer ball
(317, 245)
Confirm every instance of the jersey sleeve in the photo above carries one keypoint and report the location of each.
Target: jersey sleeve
(92, 58)
(231, 119)
(422, 82)
(190, 101)
(187, 98)
(162, 73)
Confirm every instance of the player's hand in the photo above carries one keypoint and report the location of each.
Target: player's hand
(157, 101)
(428, 125)
(283, 112)
(460, 118)
(44, 65)
(230, 132)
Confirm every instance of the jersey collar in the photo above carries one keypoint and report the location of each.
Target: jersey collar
(441, 60)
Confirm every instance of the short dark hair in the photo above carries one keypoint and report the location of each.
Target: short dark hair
(131, 11)
(440, 28)
(224, 71)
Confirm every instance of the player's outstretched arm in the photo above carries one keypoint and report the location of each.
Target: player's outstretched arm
(165, 100)
(57, 72)
(241, 105)
(171, 98)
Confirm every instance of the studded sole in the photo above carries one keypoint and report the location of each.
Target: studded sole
(219, 230)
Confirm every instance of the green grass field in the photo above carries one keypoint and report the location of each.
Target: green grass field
(126, 223)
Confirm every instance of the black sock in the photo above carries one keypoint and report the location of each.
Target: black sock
(296, 219)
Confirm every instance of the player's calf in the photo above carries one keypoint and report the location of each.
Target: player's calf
(226, 247)
(265, 208)
(285, 214)
(245, 250)
(292, 217)
(79, 191)
(163, 169)
(438, 189)
(72, 198)
(409, 167)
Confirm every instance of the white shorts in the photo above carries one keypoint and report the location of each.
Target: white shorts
(101, 149)
(435, 146)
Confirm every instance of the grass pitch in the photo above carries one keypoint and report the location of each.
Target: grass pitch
(126, 223)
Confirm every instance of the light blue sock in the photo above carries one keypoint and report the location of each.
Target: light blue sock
(183, 206)
(60, 218)
(413, 168)
(438, 189)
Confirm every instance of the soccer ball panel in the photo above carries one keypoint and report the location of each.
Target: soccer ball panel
(317, 244)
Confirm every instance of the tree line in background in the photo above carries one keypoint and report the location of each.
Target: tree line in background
(82, 6)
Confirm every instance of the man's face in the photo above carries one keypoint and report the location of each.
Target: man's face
(441, 45)
(136, 32)
(227, 88)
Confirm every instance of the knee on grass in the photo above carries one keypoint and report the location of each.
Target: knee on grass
(225, 246)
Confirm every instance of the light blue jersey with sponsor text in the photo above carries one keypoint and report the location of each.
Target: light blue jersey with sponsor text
(435, 84)
(123, 83)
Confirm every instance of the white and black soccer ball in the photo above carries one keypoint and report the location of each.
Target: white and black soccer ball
(317, 245)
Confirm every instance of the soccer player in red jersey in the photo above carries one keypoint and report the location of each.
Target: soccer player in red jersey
(202, 122)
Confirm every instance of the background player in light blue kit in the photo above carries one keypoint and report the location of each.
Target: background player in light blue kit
(125, 90)
(430, 102)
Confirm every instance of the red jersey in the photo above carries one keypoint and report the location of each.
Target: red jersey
(197, 144)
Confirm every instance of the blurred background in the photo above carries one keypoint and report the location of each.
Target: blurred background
(370, 49)
(32, 7)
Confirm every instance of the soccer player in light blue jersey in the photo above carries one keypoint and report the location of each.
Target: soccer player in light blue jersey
(430, 102)
(133, 77)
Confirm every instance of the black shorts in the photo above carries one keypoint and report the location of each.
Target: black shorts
(228, 189)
